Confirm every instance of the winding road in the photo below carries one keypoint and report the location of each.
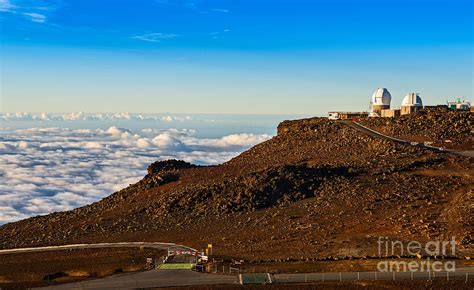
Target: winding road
(374, 133)
(159, 246)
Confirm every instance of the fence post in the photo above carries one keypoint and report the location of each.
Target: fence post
(340, 277)
(358, 276)
(429, 275)
(323, 277)
(447, 276)
(393, 273)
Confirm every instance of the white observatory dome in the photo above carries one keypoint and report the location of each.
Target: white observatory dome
(412, 99)
(381, 97)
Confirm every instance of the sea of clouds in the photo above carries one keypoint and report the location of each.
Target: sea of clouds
(80, 116)
(47, 169)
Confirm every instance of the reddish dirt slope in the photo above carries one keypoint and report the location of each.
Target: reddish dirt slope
(318, 189)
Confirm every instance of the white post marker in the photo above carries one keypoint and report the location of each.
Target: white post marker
(270, 278)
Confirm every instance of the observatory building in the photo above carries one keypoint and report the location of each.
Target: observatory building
(459, 105)
(411, 103)
(380, 101)
(380, 107)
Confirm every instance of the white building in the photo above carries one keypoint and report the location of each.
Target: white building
(459, 105)
(411, 103)
(380, 101)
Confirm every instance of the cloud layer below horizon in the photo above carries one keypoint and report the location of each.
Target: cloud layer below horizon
(55, 169)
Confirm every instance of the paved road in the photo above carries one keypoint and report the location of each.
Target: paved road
(153, 278)
(160, 246)
(374, 133)
(160, 278)
(182, 259)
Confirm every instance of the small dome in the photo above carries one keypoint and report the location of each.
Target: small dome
(412, 99)
(381, 97)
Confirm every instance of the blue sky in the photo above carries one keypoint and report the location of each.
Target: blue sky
(270, 57)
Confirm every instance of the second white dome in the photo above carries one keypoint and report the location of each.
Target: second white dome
(412, 99)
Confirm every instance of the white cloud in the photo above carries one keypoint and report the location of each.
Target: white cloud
(216, 34)
(155, 36)
(191, 5)
(93, 145)
(10, 214)
(167, 119)
(73, 116)
(114, 130)
(168, 141)
(23, 145)
(143, 143)
(7, 148)
(79, 116)
(35, 17)
(220, 10)
(50, 147)
(53, 169)
(242, 139)
(6, 6)
(32, 10)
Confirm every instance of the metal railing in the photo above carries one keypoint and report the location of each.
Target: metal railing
(374, 276)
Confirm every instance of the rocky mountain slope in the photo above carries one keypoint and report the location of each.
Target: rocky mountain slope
(318, 189)
(438, 125)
